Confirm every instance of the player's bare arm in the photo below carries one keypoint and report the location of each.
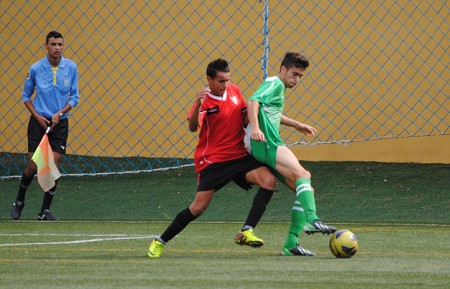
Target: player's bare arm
(301, 127)
(194, 119)
(245, 119)
(252, 112)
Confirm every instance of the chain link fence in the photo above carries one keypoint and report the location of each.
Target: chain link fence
(379, 70)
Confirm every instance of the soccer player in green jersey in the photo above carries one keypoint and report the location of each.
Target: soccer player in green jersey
(265, 113)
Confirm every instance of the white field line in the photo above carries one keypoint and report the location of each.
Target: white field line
(106, 238)
(239, 222)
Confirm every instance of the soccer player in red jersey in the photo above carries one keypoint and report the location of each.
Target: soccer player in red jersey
(220, 113)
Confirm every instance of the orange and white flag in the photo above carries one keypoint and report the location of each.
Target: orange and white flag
(47, 172)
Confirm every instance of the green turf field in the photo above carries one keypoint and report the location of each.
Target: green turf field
(113, 255)
(345, 192)
(399, 212)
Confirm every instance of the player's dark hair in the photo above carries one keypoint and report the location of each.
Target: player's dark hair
(53, 34)
(294, 59)
(217, 65)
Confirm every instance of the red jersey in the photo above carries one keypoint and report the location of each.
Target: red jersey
(221, 136)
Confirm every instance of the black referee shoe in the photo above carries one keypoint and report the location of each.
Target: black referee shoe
(16, 210)
(45, 215)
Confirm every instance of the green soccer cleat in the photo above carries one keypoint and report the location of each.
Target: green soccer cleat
(318, 227)
(248, 238)
(156, 249)
(297, 251)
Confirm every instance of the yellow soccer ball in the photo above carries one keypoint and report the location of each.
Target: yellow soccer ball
(343, 244)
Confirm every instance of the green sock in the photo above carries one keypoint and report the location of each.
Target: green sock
(297, 223)
(306, 197)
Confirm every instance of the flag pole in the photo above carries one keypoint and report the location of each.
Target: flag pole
(49, 127)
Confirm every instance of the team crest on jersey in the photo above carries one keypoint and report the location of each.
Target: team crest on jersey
(234, 99)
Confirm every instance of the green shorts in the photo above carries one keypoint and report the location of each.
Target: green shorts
(266, 152)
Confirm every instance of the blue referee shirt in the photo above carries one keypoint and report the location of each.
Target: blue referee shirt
(55, 87)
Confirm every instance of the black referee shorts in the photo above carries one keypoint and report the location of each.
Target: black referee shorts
(217, 175)
(57, 137)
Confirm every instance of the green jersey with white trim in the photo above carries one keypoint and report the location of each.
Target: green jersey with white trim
(270, 95)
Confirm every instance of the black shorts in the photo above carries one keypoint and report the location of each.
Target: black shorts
(57, 137)
(217, 175)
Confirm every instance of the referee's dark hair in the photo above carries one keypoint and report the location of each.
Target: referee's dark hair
(53, 34)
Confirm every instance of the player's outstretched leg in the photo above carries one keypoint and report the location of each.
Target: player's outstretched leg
(248, 237)
(178, 224)
(305, 196)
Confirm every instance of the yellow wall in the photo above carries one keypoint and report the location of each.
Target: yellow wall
(360, 64)
(408, 150)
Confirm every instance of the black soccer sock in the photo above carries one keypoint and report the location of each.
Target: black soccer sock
(178, 224)
(25, 182)
(259, 206)
(48, 198)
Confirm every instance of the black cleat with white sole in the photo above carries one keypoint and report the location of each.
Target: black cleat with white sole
(318, 227)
